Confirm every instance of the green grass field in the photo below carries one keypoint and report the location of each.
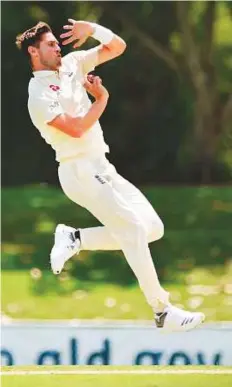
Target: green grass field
(108, 376)
(200, 289)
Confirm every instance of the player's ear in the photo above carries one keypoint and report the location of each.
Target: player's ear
(32, 51)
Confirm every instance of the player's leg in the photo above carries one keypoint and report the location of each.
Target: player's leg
(98, 196)
(143, 208)
(172, 318)
(100, 238)
(126, 228)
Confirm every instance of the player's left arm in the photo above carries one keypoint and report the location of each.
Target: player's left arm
(78, 32)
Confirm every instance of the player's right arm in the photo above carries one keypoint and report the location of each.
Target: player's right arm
(77, 126)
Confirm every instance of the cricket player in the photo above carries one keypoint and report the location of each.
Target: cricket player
(60, 109)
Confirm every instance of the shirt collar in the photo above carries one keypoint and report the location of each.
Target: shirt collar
(45, 73)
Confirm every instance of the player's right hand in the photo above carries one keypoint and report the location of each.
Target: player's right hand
(93, 85)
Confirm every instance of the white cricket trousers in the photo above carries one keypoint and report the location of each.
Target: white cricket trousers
(129, 221)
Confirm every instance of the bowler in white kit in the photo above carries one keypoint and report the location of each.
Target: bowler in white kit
(62, 112)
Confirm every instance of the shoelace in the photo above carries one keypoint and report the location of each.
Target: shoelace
(71, 237)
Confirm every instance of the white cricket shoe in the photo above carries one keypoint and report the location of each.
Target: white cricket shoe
(65, 246)
(174, 319)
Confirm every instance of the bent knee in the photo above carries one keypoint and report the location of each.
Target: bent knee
(137, 228)
(157, 231)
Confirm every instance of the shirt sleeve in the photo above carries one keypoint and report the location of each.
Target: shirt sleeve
(85, 60)
(43, 109)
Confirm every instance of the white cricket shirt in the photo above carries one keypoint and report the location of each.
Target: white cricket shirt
(55, 92)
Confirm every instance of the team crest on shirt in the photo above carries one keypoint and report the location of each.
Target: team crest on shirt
(54, 87)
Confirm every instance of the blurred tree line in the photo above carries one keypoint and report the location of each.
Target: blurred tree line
(169, 118)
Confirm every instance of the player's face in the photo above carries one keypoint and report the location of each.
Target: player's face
(49, 51)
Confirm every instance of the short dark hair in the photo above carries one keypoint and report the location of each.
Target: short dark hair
(32, 37)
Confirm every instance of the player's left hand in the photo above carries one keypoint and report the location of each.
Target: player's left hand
(77, 30)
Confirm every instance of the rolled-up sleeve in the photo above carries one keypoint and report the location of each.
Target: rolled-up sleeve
(85, 60)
